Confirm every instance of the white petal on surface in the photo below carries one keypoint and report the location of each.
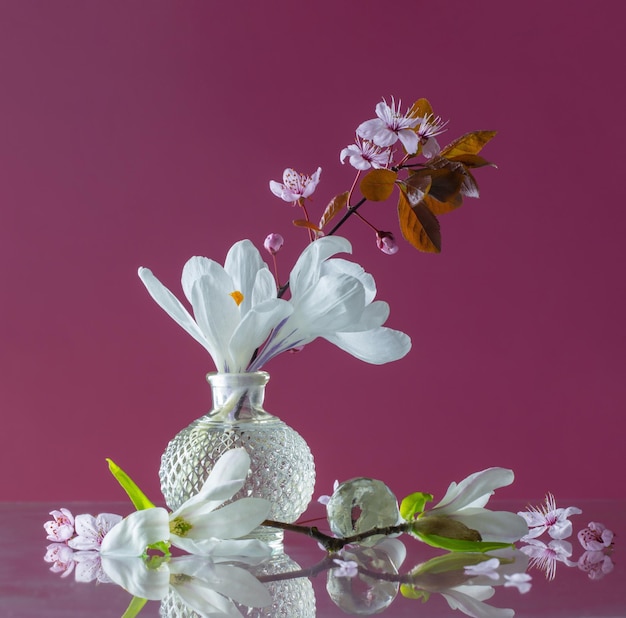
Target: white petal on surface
(134, 533)
(241, 550)
(469, 599)
(205, 601)
(500, 526)
(224, 481)
(172, 306)
(376, 346)
(228, 522)
(134, 576)
(473, 491)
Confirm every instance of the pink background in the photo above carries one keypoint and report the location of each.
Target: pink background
(142, 133)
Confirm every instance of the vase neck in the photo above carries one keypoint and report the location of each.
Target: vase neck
(238, 396)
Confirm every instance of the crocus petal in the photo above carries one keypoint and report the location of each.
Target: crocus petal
(193, 269)
(132, 574)
(340, 266)
(376, 346)
(242, 264)
(500, 526)
(172, 306)
(134, 533)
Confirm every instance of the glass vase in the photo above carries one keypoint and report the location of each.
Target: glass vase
(282, 467)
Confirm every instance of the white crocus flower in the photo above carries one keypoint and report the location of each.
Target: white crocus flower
(198, 526)
(464, 502)
(203, 586)
(235, 306)
(334, 299)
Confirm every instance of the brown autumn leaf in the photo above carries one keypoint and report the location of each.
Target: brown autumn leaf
(418, 225)
(470, 143)
(469, 160)
(334, 206)
(306, 224)
(469, 186)
(422, 108)
(444, 192)
(377, 185)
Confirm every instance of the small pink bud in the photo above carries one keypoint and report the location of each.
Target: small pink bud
(273, 243)
(386, 243)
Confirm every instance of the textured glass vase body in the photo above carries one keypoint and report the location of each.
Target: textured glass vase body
(282, 468)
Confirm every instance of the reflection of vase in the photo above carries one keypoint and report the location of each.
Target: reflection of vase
(282, 468)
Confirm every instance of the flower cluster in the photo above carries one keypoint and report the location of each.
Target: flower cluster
(549, 519)
(240, 320)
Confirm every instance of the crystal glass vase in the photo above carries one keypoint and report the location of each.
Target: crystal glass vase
(282, 468)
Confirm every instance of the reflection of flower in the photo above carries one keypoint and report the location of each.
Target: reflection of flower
(334, 299)
(545, 557)
(548, 518)
(345, 568)
(235, 306)
(91, 530)
(595, 563)
(62, 558)
(295, 186)
(198, 525)
(203, 585)
(469, 599)
(521, 581)
(464, 502)
(595, 537)
(60, 529)
(391, 126)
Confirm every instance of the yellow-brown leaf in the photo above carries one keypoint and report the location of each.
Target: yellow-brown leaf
(334, 206)
(421, 108)
(377, 185)
(470, 143)
(444, 192)
(419, 226)
(306, 224)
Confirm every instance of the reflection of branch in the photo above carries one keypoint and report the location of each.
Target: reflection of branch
(333, 544)
(313, 571)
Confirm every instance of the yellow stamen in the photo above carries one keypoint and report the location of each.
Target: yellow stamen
(180, 527)
(237, 297)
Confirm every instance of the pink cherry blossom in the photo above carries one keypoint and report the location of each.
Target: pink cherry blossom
(429, 127)
(61, 529)
(386, 242)
(390, 126)
(364, 154)
(91, 530)
(548, 518)
(595, 537)
(295, 186)
(596, 564)
(273, 243)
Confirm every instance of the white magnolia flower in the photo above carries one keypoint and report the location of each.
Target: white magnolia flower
(334, 299)
(548, 518)
(91, 530)
(464, 502)
(205, 587)
(198, 526)
(295, 186)
(235, 306)
(364, 154)
(390, 126)
(470, 600)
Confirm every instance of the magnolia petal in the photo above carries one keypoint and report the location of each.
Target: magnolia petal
(232, 549)
(172, 306)
(473, 491)
(224, 481)
(132, 574)
(376, 346)
(228, 522)
(204, 601)
(499, 526)
(469, 599)
(134, 533)
(306, 270)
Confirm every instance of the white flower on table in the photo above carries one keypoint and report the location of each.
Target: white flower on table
(548, 518)
(465, 503)
(235, 306)
(334, 299)
(91, 530)
(198, 526)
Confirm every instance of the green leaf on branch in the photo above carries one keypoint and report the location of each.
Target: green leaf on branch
(306, 224)
(414, 504)
(418, 224)
(443, 542)
(452, 561)
(334, 206)
(470, 143)
(377, 185)
(137, 497)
